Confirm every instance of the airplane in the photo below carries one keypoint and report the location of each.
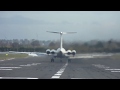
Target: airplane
(60, 52)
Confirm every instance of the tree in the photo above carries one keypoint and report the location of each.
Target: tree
(99, 44)
(35, 43)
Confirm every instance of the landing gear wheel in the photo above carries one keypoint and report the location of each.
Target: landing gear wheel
(52, 60)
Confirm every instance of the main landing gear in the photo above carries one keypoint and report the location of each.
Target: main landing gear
(52, 60)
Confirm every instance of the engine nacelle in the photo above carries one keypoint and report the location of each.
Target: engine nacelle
(52, 51)
(69, 52)
(48, 51)
(73, 52)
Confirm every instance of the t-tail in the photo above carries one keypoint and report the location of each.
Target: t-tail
(61, 33)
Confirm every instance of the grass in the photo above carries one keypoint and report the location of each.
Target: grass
(8, 56)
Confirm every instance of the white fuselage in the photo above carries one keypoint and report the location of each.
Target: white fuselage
(60, 52)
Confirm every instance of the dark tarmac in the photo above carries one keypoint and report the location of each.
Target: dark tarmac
(42, 68)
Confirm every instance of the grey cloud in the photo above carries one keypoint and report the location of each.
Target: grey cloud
(65, 22)
(96, 23)
(20, 20)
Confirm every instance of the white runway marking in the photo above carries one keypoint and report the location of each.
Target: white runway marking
(100, 66)
(1, 60)
(25, 65)
(106, 68)
(5, 69)
(55, 76)
(32, 78)
(115, 71)
(11, 59)
(81, 78)
(17, 78)
(33, 64)
(83, 57)
(59, 73)
(30, 64)
(10, 67)
(112, 69)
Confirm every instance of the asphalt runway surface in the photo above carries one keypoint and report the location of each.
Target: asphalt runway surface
(42, 68)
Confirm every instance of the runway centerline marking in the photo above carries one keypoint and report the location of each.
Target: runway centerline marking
(59, 73)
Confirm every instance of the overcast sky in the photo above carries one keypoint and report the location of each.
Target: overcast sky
(89, 25)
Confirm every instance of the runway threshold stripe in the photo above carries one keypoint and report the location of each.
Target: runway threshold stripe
(59, 73)
(55, 76)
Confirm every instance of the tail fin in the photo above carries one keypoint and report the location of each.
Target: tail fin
(61, 33)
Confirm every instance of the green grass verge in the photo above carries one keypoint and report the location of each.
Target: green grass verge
(8, 56)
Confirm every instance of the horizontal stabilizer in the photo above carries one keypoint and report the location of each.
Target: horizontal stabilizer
(53, 32)
(62, 32)
(69, 32)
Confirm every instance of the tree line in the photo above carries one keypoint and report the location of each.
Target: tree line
(41, 46)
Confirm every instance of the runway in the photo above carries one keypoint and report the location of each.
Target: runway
(78, 68)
